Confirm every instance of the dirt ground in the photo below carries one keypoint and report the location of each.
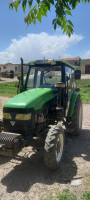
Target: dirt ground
(85, 76)
(27, 178)
(8, 80)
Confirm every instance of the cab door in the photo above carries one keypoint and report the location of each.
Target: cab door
(70, 84)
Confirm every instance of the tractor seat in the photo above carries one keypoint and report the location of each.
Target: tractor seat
(60, 85)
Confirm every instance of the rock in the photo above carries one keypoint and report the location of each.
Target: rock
(76, 182)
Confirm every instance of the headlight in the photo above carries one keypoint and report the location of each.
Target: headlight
(23, 116)
(6, 116)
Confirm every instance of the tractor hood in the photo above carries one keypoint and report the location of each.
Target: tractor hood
(34, 98)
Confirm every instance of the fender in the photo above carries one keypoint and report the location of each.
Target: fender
(72, 103)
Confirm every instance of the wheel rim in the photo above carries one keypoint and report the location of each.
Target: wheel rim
(80, 118)
(59, 147)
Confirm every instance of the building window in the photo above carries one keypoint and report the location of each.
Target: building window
(15, 69)
(4, 67)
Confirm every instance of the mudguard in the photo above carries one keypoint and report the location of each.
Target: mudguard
(74, 96)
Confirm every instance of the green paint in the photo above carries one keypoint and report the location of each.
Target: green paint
(34, 98)
(72, 103)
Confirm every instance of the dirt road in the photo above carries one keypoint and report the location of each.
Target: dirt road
(27, 178)
(8, 80)
(85, 76)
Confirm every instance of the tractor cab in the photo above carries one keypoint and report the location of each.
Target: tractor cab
(43, 76)
(55, 74)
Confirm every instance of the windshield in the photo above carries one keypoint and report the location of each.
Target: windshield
(46, 77)
(52, 77)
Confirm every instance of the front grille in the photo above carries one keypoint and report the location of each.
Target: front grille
(13, 123)
(10, 143)
(9, 138)
(17, 126)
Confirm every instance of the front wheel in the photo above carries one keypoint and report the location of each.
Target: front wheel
(54, 145)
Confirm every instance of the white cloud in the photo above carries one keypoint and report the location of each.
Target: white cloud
(36, 46)
(87, 55)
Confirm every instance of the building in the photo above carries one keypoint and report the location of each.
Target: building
(8, 67)
(73, 61)
(83, 63)
(85, 66)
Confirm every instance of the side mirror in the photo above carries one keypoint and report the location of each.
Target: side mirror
(77, 74)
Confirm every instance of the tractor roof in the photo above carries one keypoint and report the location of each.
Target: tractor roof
(50, 63)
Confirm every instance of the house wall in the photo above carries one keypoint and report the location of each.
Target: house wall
(83, 69)
(85, 66)
(9, 67)
(87, 69)
(15, 67)
(73, 61)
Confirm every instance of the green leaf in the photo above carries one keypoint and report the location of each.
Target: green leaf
(32, 15)
(54, 20)
(52, 2)
(63, 8)
(28, 19)
(16, 5)
(30, 3)
(70, 28)
(43, 11)
(69, 21)
(75, 3)
(11, 5)
(24, 5)
(39, 17)
(68, 12)
(38, 1)
(35, 11)
(55, 24)
(47, 4)
(59, 22)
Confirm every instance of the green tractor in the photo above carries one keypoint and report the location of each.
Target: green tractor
(48, 99)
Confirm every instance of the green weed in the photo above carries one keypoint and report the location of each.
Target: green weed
(85, 196)
(66, 195)
(8, 89)
(84, 85)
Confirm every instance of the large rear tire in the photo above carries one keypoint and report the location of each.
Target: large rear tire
(74, 124)
(54, 145)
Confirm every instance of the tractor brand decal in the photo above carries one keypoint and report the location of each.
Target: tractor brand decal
(12, 123)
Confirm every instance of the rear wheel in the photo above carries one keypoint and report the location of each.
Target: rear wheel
(54, 145)
(74, 124)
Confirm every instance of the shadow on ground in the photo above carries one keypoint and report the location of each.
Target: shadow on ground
(32, 170)
(4, 159)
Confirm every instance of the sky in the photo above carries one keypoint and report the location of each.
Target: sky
(41, 40)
